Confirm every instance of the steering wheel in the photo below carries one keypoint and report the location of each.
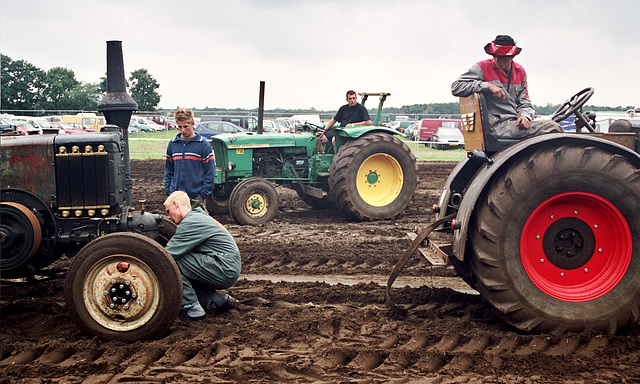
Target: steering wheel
(314, 128)
(573, 105)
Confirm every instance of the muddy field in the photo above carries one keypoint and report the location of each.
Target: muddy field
(312, 311)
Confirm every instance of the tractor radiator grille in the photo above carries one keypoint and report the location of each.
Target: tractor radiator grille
(82, 181)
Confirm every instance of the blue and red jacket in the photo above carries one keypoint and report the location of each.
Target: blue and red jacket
(189, 166)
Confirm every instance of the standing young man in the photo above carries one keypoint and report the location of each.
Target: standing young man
(349, 115)
(189, 163)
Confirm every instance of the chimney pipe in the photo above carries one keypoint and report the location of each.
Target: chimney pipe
(117, 106)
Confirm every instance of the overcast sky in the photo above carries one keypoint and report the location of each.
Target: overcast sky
(309, 53)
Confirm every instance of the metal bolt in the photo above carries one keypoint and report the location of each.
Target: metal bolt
(113, 281)
(600, 250)
(542, 260)
(551, 216)
(128, 293)
(121, 286)
(537, 236)
(105, 293)
(586, 270)
(126, 306)
(134, 296)
(127, 282)
(123, 301)
(575, 212)
(595, 226)
(561, 274)
(111, 306)
(113, 289)
(114, 299)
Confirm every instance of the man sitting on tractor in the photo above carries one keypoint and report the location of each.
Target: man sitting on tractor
(504, 82)
(349, 115)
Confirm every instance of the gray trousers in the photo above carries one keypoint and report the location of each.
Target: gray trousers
(202, 276)
(507, 129)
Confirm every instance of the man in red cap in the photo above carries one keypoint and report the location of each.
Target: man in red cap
(504, 82)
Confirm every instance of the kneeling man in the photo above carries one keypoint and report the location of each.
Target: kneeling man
(207, 255)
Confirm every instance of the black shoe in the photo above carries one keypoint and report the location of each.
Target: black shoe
(230, 303)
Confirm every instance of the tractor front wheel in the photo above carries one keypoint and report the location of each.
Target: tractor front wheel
(125, 287)
(556, 241)
(253, 201)
(373, 177)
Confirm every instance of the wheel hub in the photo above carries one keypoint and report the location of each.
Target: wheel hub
(120, 293)
(569, 243)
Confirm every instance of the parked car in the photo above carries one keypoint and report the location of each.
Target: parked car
(160, 120)
(274, 126)
(25, 127)
(401, 125)
(212, 128)
(447, 137)
(145, 124)
(411, 132)
(427, 127)
(74, 127)
(7, 126)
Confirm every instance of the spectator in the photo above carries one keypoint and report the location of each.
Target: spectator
(189, 162)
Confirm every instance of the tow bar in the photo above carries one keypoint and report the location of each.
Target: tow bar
(405, 258)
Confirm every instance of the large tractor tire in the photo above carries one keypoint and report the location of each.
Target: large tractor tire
(253, 201)
(21, 236)
(216, 206)
(125, 287)
(373, 177)
(556, 241)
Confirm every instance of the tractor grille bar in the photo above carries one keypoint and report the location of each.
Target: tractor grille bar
(82, 181)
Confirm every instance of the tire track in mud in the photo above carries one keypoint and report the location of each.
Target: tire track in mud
(296, 336)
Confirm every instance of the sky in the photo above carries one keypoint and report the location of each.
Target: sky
(211, 53)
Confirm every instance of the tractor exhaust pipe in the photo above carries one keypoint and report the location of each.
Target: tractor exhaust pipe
(117, 106)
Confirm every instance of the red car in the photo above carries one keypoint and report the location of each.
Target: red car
(73, 127)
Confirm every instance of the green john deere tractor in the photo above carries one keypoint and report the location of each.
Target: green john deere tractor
(371, 176)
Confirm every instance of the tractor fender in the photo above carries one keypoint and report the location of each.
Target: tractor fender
(344, 134)
(355, 132)
(502, 160)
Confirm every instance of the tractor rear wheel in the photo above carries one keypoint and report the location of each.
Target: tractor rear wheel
(216, 206)
(253, 201)
(373, 177)
(125, 287)
(21, 236)
(556, 241)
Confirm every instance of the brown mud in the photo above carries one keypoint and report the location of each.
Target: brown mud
(325, 326)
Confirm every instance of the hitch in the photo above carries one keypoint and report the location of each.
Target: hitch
(407, 255)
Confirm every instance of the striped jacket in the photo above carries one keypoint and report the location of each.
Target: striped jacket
(189, 166)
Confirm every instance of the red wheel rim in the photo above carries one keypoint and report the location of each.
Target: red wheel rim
(603, 259)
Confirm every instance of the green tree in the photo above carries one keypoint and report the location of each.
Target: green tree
(60, 83)
(22, 84)
(143, 90)
(85, 96)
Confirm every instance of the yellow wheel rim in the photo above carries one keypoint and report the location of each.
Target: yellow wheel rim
(256, 205)
(379, 180)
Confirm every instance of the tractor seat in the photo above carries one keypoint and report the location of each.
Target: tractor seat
(476, 127)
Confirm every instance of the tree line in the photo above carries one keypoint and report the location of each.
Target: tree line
(27, 87)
